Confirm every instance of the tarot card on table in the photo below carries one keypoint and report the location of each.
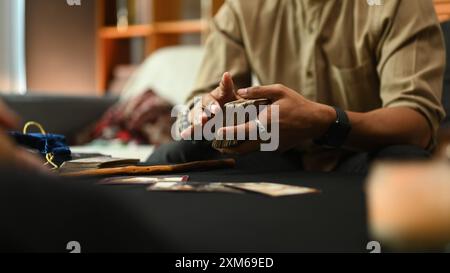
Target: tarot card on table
(271, 189)
(143, 180)
(192, 187)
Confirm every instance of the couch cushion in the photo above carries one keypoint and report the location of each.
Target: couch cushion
(59, 114)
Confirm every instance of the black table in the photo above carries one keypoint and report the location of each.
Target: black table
(44, 215)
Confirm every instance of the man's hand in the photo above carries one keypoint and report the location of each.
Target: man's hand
(299, 118)
(212, 103)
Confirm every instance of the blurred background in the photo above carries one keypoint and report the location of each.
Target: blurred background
(50, 46)
(89, 48)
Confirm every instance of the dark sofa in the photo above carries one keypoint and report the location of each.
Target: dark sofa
(60, 114)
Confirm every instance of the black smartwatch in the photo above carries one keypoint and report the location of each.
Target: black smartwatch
(337, 134)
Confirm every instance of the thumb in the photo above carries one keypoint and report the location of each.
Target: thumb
(225, 92)
(226, 85)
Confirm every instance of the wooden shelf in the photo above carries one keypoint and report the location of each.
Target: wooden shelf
(181, 27)
(442, 9)
(136, 31)
(165, 29)
(130, 32)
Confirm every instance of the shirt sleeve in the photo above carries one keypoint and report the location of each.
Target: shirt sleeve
(224, 52)
(412, 60)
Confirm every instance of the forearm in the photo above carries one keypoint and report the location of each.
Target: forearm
(301, 119)
(388, 126)
(381, 128)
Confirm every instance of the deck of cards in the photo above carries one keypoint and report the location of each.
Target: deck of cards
(242, 103)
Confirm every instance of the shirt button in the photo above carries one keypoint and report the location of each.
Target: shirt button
(309, 74)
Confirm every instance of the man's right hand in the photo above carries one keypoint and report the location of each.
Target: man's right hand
(212, 103)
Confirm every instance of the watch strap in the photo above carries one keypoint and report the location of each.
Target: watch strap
(337, 134)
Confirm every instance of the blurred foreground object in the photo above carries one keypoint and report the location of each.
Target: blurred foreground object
(409, 205)
(7, 150)
(12, 156)
(443, 150)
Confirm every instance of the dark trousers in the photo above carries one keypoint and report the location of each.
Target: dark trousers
(358, 163)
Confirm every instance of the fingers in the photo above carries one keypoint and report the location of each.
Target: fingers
(200, 114)
(210, 105)
(246, 131)
(198, 123)
(8, 119)
(272, 92)
(250, 132)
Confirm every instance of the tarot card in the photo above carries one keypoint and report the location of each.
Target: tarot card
(143, 180)
(271, 189)
(192, 187)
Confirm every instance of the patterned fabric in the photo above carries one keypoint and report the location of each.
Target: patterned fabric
(145, 119)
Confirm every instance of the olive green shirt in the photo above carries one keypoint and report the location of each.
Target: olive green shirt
(359, 55)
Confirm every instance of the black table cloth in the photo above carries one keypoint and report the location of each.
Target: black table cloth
(42, 214)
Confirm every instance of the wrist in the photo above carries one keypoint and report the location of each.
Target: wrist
(325, 116)
(338, 131)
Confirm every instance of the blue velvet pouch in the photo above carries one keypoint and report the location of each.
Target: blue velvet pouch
(46, 144)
